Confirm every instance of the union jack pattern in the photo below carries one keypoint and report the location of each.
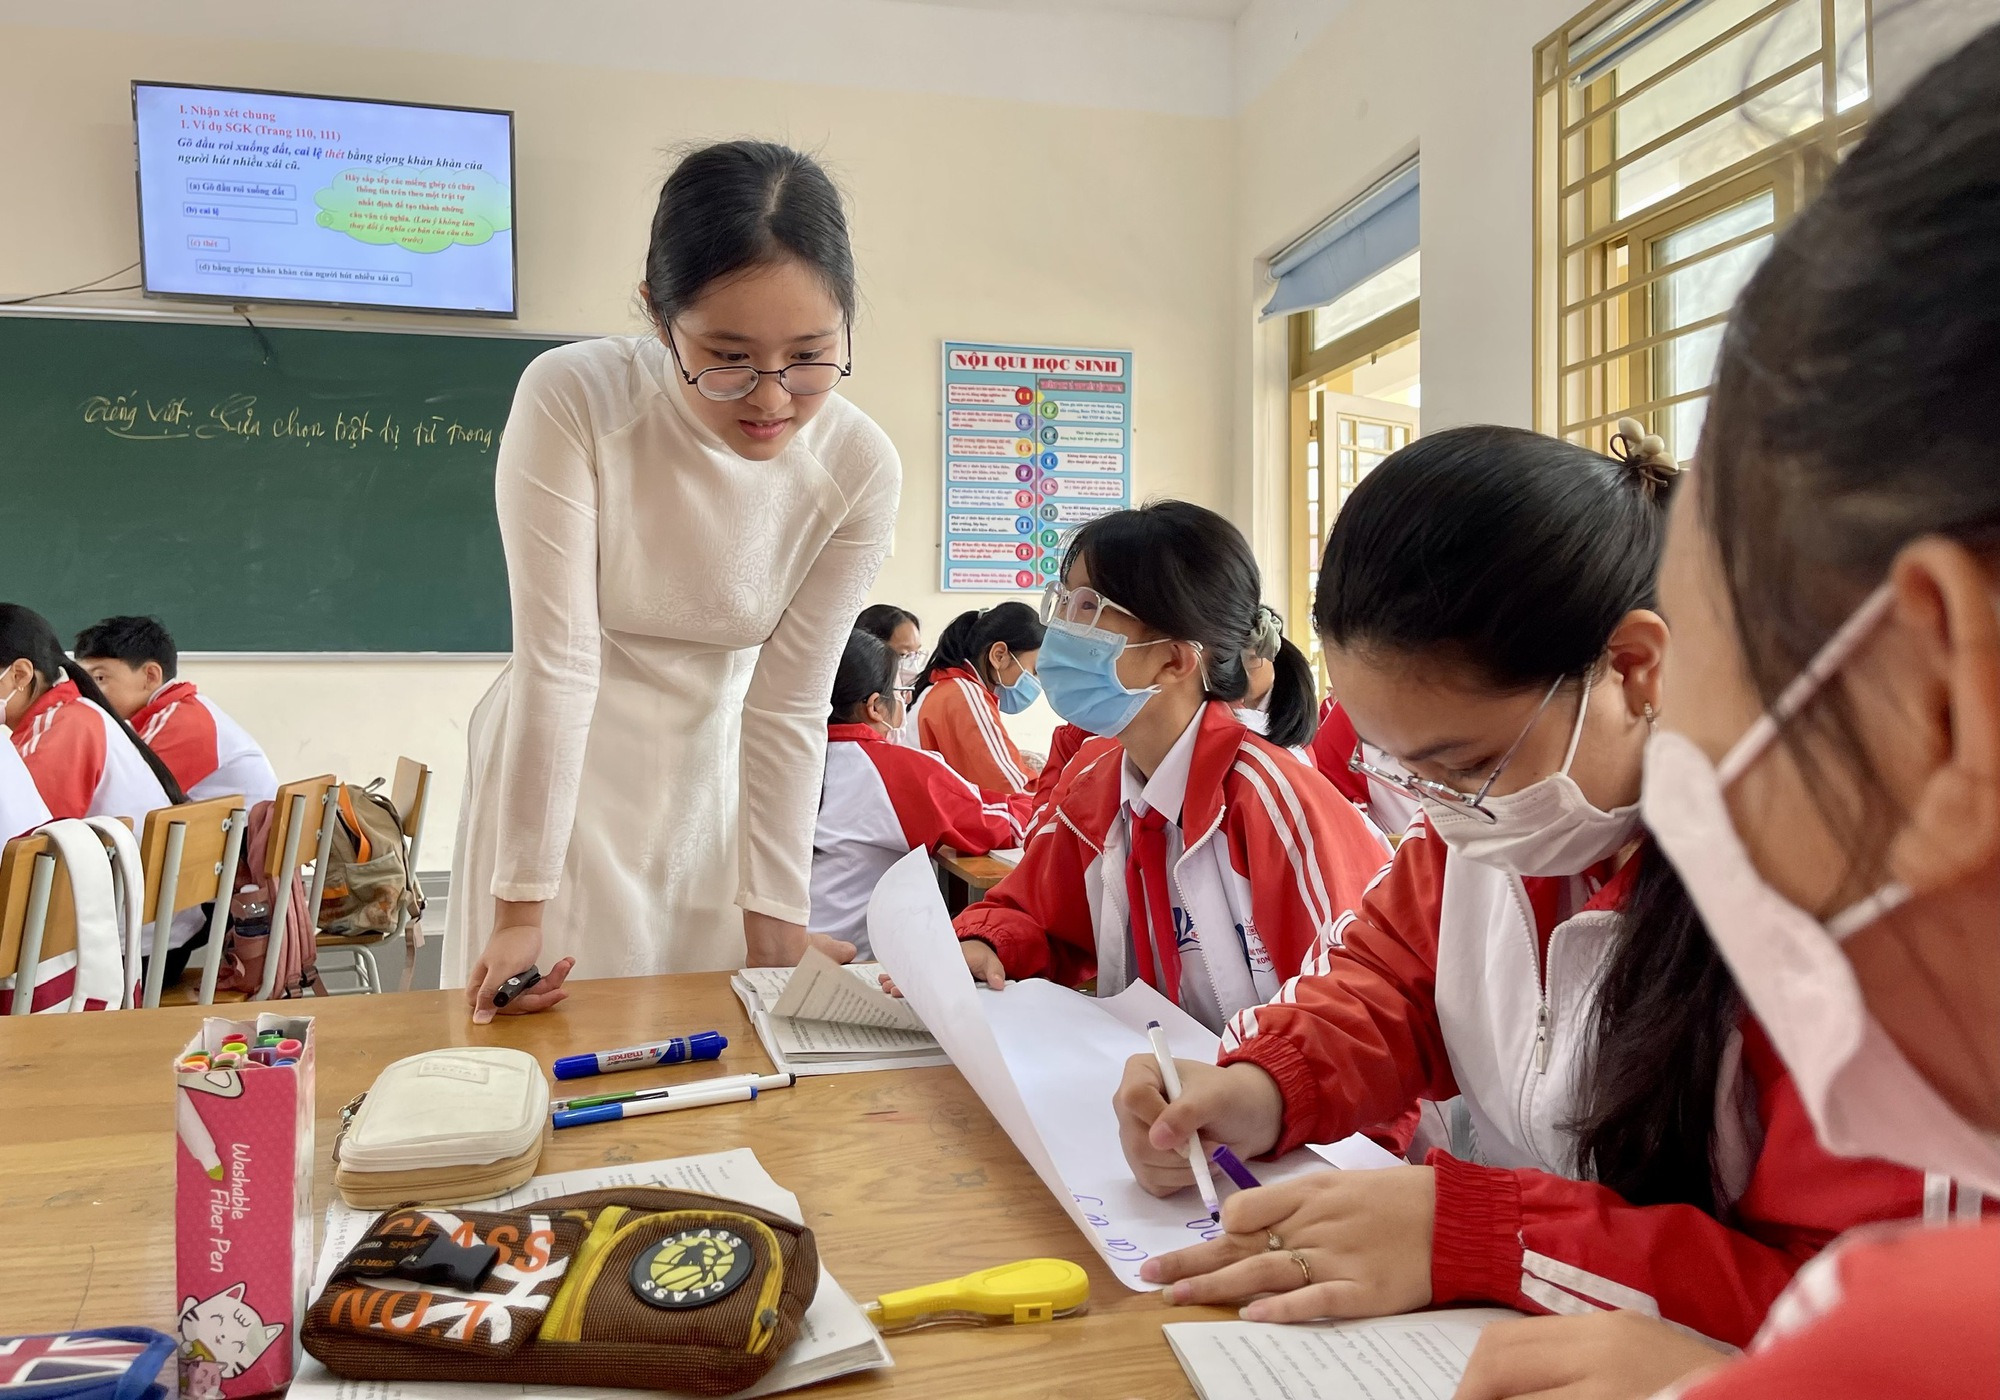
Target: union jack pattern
(63, 1356)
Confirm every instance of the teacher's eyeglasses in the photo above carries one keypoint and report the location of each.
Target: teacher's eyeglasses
(727, 383)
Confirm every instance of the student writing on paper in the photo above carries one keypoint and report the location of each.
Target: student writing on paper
(882, 800)
(134, 662)
(1826, 777)
(1633, 1140)
(85, 760)
(983, 668)
(1180, 849)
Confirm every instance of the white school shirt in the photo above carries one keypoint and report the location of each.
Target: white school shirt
(21, 807)
(1216, 976)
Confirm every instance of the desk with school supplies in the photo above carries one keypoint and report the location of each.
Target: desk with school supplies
(966, 879)
(904, 1176)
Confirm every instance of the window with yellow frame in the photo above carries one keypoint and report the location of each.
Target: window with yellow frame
(1673, 138)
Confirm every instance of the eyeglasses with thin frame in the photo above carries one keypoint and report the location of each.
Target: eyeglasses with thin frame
(1080, 606)
(728, 383)
(904, 694)
(1472, 804)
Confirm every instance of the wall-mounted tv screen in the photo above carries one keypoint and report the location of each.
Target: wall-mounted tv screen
(281, 197)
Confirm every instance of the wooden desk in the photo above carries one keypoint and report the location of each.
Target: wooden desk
(966, 879)
(904, 1176)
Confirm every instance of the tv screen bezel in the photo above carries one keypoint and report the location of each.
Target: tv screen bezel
(513, 207)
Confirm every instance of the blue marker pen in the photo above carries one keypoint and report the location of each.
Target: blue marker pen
(702, 1045)
(673, 1103)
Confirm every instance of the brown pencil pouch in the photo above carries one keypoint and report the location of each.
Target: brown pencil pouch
(634, 1287)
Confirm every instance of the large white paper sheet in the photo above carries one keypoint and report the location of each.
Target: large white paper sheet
(835, 1337)
(1046, 1061)
(1418, 1356)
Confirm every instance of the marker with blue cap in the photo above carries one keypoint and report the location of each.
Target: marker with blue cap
(702, 1045)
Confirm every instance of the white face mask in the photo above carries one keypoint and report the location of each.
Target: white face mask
(5, 701)
(1547, 828)
(1864, 1097)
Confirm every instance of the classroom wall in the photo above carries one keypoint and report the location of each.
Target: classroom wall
(1382, 81)
(1071, 224)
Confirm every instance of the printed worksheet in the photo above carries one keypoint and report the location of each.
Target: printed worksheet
(1418, 1356)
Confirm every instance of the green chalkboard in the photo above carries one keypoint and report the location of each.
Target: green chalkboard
(257, 489)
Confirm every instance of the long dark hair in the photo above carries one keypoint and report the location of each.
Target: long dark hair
(971, 635)
(26, 633)
(867, 667)
(1186, 572)
(1516, 555)
(743, 204)
(882, 620)
(1853, 407)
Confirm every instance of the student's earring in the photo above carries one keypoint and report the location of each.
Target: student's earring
(1652, 717)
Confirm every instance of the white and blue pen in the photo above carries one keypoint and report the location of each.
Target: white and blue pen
(636, 1108)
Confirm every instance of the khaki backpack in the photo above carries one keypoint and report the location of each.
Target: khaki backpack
(369, 885)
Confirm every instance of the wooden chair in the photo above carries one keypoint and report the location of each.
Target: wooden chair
(304, 810)
(190, 854)
(37, 914)
(411, 795)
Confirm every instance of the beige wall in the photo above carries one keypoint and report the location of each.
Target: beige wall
(973, 218)
(1449, 80)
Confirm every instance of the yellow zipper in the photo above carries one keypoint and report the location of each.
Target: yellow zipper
(564, 1320)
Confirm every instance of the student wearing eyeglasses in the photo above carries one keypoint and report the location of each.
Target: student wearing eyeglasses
(692, 518)
(882, 800)
(1625, 1136)
(1179, 848)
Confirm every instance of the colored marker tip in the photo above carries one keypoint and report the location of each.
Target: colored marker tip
(1152, 1025)
(215, 1172)
(1216, 1216)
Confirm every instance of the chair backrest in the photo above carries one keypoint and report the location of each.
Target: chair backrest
(17, 878)
(319, 816)
(411, 793)
(204, 842)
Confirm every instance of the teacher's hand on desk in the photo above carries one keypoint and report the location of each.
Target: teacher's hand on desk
(513, 947)
(769, 941)
(1332, 1244)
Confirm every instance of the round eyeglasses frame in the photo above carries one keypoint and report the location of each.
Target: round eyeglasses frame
(716, 382)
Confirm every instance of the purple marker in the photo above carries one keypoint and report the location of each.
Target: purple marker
(1233, 1168)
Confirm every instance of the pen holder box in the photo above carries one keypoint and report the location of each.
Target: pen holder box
(243, 1224)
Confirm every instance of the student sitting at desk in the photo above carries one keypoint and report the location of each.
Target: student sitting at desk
(134, 662)
(86, 761)
(1179, 849)
(900, 628)
(983, 668)
(882, 800)
(1631, 1139)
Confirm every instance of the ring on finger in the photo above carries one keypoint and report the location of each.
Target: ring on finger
(1272, 1243)
(1305, 1268)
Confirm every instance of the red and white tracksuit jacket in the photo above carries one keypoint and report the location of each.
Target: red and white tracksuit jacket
(1906, 1312)
(208, 752)
(21, 806)
(1389, 808)
(881, 801)
(81, 760)
(959, 720)
(1063, 746)
(1451, 978)
(1263, 856)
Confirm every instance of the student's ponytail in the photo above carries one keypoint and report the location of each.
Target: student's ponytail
(26, 633)
(952, 648)
(1294, 709)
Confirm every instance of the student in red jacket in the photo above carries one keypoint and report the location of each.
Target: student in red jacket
(881, 800)
(983, 668)
(1826, 778)
(1627, 1139)
(135, 663)
(1179, 849)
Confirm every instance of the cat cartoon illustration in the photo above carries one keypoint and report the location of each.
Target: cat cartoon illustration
(221, 1337)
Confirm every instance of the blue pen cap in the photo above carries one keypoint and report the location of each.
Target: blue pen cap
(579, 1117)
(703, 1045)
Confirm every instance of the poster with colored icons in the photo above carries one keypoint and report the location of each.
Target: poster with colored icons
(1036, 442)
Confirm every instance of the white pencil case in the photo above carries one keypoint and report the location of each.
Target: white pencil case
(443, 1127)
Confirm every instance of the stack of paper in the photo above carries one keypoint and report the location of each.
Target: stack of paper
(835, 1338)
(1010, 856)
(1418, 1356)
(822, 1018)
(1046, 1061)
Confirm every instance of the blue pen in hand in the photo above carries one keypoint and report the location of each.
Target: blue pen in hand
(702, 1045)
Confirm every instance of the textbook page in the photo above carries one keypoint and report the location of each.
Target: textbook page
(1045, 1061)
(1417, 1356)
(834, 1046)
(835, 1336)
(820, 989)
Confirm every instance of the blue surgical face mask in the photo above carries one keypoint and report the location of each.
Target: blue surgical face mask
(1024, 692)
(1079, 669)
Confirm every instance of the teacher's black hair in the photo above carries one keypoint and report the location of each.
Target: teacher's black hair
(867, 669)
(742, 204)
(26, 633)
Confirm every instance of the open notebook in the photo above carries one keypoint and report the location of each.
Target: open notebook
(1417, 1356)
(822, 1018)
(836, 1337)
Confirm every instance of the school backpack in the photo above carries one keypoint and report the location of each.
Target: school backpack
(369, 885)
(249, 945)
